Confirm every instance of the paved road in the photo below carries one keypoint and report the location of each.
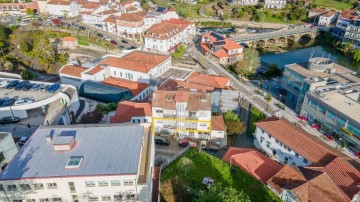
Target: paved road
(247, 90)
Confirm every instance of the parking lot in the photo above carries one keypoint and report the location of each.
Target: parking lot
(163, 152)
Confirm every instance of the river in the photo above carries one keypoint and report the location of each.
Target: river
(303, 54)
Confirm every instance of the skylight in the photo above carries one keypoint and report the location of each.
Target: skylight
(74, 162)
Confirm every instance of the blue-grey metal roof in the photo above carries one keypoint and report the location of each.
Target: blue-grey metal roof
(107, 150)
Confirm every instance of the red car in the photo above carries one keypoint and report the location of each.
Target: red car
(113, 42)
(184, 143)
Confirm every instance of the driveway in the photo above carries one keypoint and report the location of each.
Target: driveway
(166, 152)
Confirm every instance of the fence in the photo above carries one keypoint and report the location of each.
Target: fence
(177, 155)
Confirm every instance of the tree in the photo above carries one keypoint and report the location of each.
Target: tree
(186, 164)
(250, 62)
(27, 75)
(175, 190)
(234, 128)
(30, 11)
(259, 16)
(179, 52)
(2, 50)
(25, 46)
(268, 99)
(273, 71)
(106, 108)
(91, 117)
(218, 193)
(356, 55)
(3, 34)
(231, 116)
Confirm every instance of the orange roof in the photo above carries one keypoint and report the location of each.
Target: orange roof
(217, 123)
(288, 176)
(330, 13)
(133, 86)
(349, 14)
(132, 17)
(69, 38)
(59, 2)
(166, 29)
(95, 70)
(91, 5)
(318, 10)
(253, 162)
(220, 40)
(181, 96)
(174, 85)
(297, 139)
(136, 61)
(231, 45)
(344, 175)
(221, 53)
(72, 70)
(111, 18)
(210, 37)
(126, 110)
(214, 81)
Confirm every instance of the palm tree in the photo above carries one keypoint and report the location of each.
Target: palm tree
(268, 99)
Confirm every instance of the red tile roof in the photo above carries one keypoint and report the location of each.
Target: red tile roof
(297, 139)
(214, 81)
(69, 38)
(253, 162)
(59, 2)
(133, 86)
(231, 45)
(330, 13)
(217, 123)
(175, 85)
(288, 176)
(95, 70)
(167, 29)
(72, 70)
(344, 176)
(137, 61)
(112, 19)
(350, 14)
(132, 17)
(126, 110)
(226, 46)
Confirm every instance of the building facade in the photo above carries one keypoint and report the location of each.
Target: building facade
(63, 8)
(328, 18)
(280, 4)
(352, 34)
(56, 164)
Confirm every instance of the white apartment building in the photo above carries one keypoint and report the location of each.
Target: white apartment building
(63, 8)
(8, 149)
(164, 37)
(183, 114)
(275, 4)
(289, 144)
(82, 163)
(131, 25)
(328, 18)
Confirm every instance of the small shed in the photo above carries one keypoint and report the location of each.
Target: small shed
(70, 42)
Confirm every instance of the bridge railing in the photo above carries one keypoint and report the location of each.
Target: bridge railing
(273, 34)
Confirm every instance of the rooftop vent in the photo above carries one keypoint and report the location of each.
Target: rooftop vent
(63, 143)
(74, 162)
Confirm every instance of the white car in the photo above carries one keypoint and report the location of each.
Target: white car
(107, 38)
(3, 83)
(24, 101)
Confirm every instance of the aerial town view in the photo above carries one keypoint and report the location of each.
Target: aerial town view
(180, 100)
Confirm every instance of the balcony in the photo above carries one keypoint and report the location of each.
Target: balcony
(192, 117)
(169, 116)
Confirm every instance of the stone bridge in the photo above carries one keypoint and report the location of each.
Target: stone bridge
(277, 37)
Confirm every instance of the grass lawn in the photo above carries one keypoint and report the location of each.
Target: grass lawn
(183, 8)
(206, 165)
(255, 116)
(334, 4)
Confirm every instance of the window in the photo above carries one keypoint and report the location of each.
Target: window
(296, 154)
(72, 186)
(90, 183)
(25, 187)
(277, 141)
(114, 73)
(56, 199)
(269, 136)
(30, 200)
(305, 161)
(103, 183)
(44, 200)
(106, 198)
(74, 162)
(38, 186)
(11, 187)
(118, 197)
(261, 139)
(120, 74)
(17, 200)
(115, 182)
(159, 111)
(128, 182)
(332, 116)
(51, 185)
(93, 198)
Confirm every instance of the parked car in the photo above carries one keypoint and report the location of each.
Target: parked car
(35, 87)
(21, 84)
(184, 143)
(44, 87)
(8, 102)
(3, 83)
(12, 84)
(27, 87)
(23, 139)
(161, 141)
(99, 35)
(106, 38)
(24, 101)
(113, 42)
(121, 47)
(124, 41)
(9, 119)
(53, 88)
(2, 101)
(131, 48)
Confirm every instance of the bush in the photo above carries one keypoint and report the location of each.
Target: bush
(179, 52)
(27, 75)
(106, 108)
(91, 117)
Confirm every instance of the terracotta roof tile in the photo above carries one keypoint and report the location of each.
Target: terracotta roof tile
(59, 2)
(350, 14)
(126, 110)
(72, 70)
(217, 123)
(136, 61)
(231, 45)
(330, 13)
(195, 100)
(69, 38)
(133, 86)
(94, 70)
(132, 17)
(175, 85)
(91, 5)
(164, 30)
(214, 81)
(287, 176)
(111, 19)
(253, 162)
(297, 139)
